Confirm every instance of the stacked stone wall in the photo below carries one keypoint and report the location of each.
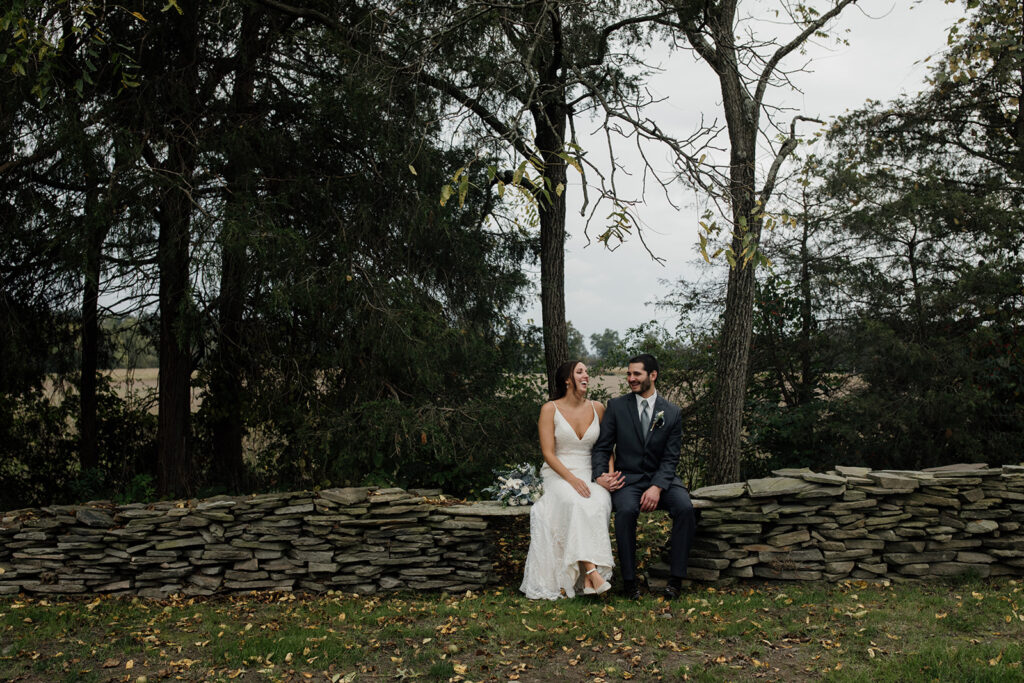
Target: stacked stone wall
(854, 523)
(359, 540)
(848, 523)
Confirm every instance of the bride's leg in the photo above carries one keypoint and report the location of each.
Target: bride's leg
(592, 579)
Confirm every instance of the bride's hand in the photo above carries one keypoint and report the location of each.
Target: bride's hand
(613, 481)
(580, 486)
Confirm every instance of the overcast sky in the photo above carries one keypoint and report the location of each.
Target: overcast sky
(888, 41)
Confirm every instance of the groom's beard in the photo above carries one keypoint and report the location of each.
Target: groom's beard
(642, 387)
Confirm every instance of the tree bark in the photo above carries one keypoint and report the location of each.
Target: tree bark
(551, 116)
(226, 390)
(742, 113)
(88, 431)
(552, 265)
(808, 377)
(174, 217)
(733, 361)
(174, 474)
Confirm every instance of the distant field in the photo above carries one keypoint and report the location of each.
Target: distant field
(139, 382)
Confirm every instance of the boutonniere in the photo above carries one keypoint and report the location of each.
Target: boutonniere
(658, 421)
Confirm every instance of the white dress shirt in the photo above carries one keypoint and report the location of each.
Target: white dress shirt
(650, 404)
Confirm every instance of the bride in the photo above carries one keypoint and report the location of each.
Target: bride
(570, 548)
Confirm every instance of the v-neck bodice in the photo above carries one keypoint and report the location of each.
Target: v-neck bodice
(568, 442)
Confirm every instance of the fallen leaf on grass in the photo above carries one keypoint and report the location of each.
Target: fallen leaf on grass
(111, 663)
(941, 615)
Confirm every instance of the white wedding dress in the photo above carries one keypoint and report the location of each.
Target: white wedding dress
(565, 527)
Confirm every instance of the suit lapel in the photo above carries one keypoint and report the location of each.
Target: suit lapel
(659, 405)
(634, 417)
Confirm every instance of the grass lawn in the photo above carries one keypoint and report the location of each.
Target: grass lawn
(965, 631)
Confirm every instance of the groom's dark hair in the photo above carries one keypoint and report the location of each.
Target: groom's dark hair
(649, 361)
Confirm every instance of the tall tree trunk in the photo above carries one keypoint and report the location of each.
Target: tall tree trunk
(174, 216)
(742, 99)
(731, 376)
(226, 395)
(226, 388)
(88, 431)
(733, 361)
(174, 475)
(808, 377)
(550, 119)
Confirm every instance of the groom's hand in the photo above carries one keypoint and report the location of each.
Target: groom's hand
(613, 481)
(649, 499)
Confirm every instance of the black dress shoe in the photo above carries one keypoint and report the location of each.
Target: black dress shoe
(670, 593)
(631, 590)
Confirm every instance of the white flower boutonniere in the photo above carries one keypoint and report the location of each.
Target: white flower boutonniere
(658, 421)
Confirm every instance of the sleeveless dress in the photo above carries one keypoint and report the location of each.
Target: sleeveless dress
(565, 527)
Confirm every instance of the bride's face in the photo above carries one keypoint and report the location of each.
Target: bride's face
(580, 378)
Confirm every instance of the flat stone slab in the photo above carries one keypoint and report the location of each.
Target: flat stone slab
(827, 479)
(92, 517)
(981, 526)
(346, 496)
(721, 491)
(776, 486)
(959, 467)
(893, 481)
(486, 508)
(796, 472)
(848, 471)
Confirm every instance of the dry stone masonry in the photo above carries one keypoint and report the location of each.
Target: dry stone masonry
(359, 540)
(855, 523)
(849, 523)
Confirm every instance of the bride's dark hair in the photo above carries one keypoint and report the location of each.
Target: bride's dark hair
(563, 373)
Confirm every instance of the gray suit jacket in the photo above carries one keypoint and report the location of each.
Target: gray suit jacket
(653, 462)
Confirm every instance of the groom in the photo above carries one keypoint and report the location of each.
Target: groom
(646, 431)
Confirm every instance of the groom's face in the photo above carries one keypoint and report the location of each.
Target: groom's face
(639, 380)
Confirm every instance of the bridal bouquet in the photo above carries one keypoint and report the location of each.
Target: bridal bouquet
(519, 485)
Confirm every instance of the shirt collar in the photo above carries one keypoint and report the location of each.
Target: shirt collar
(650, 400)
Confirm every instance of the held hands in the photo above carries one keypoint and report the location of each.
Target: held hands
(613, 481)
(649, 499)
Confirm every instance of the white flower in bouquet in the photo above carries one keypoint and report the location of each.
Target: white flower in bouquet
(519, 485)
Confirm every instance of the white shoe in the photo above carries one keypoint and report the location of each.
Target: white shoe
(587, 590)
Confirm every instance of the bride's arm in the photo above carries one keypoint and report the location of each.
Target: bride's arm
(546, 429)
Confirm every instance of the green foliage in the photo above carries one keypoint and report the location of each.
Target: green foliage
(39, 450)
(388, 442)
(36, 450)
(577, 344)
(604, 343)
